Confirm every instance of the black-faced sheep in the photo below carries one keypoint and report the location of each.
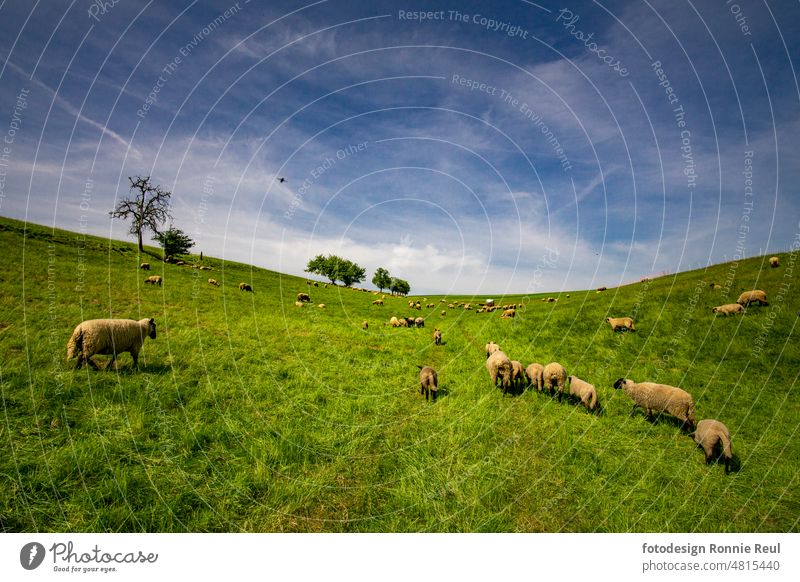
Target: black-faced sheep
(443, 313)
(394, 322)
(585, 391)
(145, 266)
(755, 296)
(534, 374)
(621, 323)
(774, 262)
(153, 280)
(245, 287)
(499, 367)
(213, 282)
(429, 382)
(728, 309)
(554, 377)
(601, 289)
(715, 286)
(491, 348)
(419, 322)
(437, 337)
(109, 337)
(708, 435)
(659, 398)
(303, 297)
(365, 324)
(378, 302)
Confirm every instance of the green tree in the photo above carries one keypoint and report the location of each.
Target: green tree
(321, 265)
(382, 280)
(148, 209)
(400, 287)
(336, 268)
(351, 273)
(174, 241)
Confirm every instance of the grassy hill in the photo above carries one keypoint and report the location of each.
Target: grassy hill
(249, 414)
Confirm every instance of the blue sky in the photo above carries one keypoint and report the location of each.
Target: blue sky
(490, 147)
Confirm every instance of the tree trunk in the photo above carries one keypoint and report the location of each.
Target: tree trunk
(141, 248)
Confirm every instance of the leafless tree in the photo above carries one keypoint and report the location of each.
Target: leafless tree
(148, 208)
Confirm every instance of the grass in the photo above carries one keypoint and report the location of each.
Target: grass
(248, 414)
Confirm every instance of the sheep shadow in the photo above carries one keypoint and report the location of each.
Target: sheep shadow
(667, 419)
(129, 369)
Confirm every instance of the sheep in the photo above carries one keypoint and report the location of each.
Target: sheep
(403, 322)
(774, 262)
(444, 313)
(728, 309)
(316, 284)
(419, 322)
(205, 268)
(299, 304)
(491, 348)
(534, 374)
(429, 382)
(517, 374)
(378, 302)
(450, 306)
(755, 296)
(180, 263)
(394, 322)
(710, 433)
(365, 324)
(585, 391)
(429, 305)
(621, 323)
(153, 280)
(600, 289)
(554, 376)
(213, 282)
(321, 306)
(508, 313)
(109, 337)
(245, 287)
(303, 297)
(715, 286)
(499, 366)
(145, 266)
(660, 398)
(437, 337)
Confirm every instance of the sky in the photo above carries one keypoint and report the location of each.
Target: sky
(467, 147)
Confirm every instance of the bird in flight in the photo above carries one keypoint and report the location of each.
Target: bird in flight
(281, 180)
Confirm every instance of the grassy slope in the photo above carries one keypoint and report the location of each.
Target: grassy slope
(252, 415)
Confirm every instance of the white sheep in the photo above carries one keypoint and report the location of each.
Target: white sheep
(774, 262)
(755, 296)
(213, 282)
(491, 348)
(585, 391)
(554, 376)
(109, 337)
(534, 374)
(708, 435)
(153, 280)
(621, 323)
(728, 309)
(660, 398)
(499, 367)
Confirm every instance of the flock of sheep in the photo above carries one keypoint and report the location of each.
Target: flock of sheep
(116, 336)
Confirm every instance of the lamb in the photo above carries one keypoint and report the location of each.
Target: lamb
(499, 366)
(715, 286)
(534, 374)
(213, 282)
(708, 435)
(728, 309)
(774, 262)
(437, 337)
(145, 266)
(299, 304)
(621, 323)
(554, 376)
(245, 287)
(517, 374)
(585, 391)
(378, 302)
(153, 280)
(109, 337)
(491, 348)
(660, 398)
(365, 324)
(303, 297)
(429, 382)
(755, 296)
(419, 322)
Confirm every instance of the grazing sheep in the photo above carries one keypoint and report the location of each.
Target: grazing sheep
(403, 322)
(213, 282)
(169, 259)
(728, 309)
(599, 289)
(205, 268)
(245, 287)
(621, 323)
(365, 324)
(180, 263)
(153, 280)
(774, 262)
(755, 296)
(554, 376)
(491, 348)
(534, 374)
(715, 286)
(326, 285)
(419, 322)
(708, 435)
(444, 313)
(429, 305)
(429, 382)
(145, 266)
(517, 375)
(499, 366)
(660, 398)
(109, 337)
(508, 313)
(437, 337)
(585, 391)
(321, 306)
(299, 304)
(378, 302)
(394, 322)
(316, 284)
(303, 297)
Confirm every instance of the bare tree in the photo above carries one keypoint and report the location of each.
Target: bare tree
(148, 209)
